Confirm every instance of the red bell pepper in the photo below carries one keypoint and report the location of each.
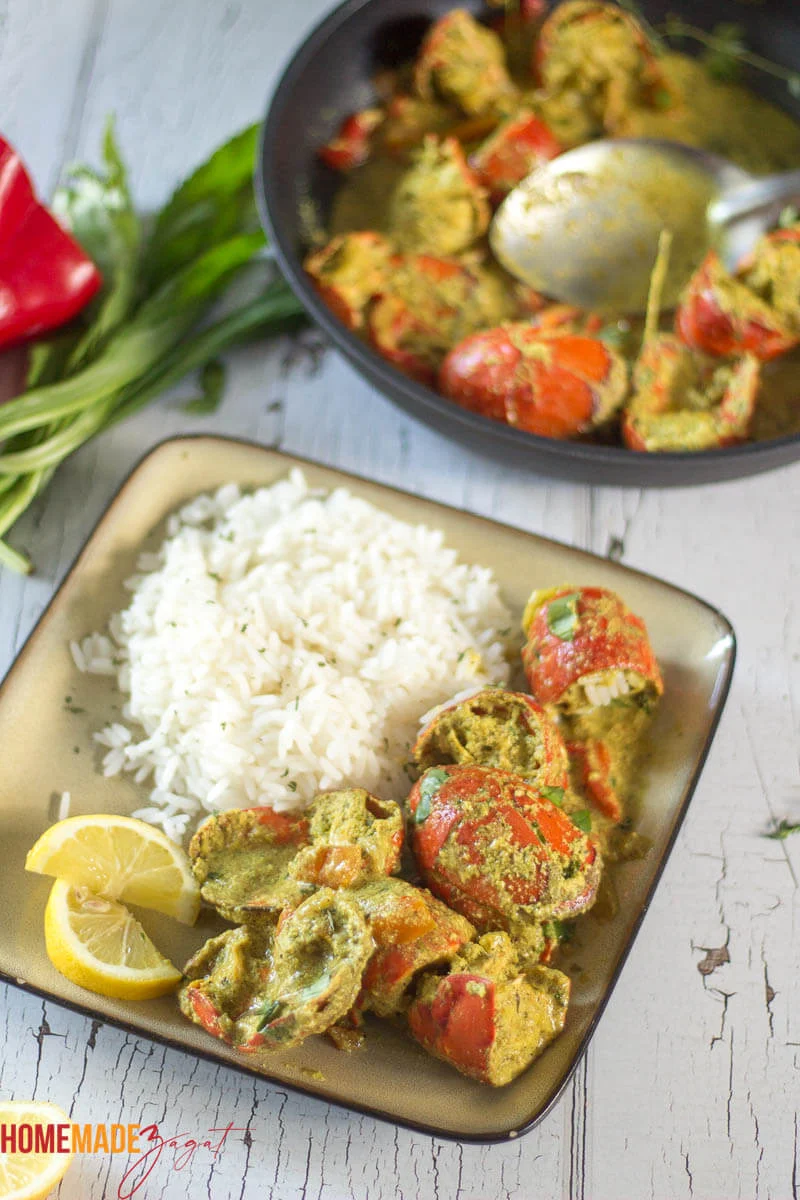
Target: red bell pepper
(45, 277)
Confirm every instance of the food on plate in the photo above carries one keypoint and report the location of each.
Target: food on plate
(24, 1175)
(683, 400)
(585, 649)
(552, 383)
(453, 131)
(441, 894)
(489, 1016)
(241, 860)
(271, 990)
(99, 945)
(497, 850)
(354, 839)
(91, 938)
(495, 728)
(413, 932)
(755, 311)
(119, 858)
(289, 626)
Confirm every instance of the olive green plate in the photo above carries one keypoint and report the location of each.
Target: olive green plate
(48, 712)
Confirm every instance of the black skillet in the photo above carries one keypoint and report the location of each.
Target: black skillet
(331, 76)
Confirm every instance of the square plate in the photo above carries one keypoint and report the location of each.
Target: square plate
(48, 712)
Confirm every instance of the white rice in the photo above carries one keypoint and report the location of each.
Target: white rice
(286, 642)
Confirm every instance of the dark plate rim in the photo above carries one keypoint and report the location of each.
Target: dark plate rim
(369, 362)
(209, 1055)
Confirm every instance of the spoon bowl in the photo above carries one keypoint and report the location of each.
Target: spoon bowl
(584, 228)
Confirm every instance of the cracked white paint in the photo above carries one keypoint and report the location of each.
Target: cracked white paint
(692, 1083)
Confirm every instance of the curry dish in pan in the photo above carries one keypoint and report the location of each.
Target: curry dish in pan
(406, 264)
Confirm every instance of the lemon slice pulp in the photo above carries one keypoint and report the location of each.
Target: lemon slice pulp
(30, 1175)
(122, 859)
(101, 946)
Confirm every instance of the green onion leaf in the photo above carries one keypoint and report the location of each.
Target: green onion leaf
(554, 794)
(562, 616)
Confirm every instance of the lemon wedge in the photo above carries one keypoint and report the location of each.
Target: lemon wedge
(34, 1174)
(122, 859)
(99, 945)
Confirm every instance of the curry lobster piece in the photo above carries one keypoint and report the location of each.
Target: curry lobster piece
(241, 860)
(683, 400)
(500, 852)
(349, 271)
(259, 990)
(438, 206)
(599, 55)
(463, 63)
(352, 144)
(495, 728)
(548, 383)
(585, 649)
(488, 1017)
(354, 838)
(516, 148)
(592, 764)
(756, 311)
(413, 932)
(426, 305)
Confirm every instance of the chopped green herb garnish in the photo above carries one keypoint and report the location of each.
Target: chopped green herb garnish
(292, 786)
(562, 616)
(431, 781)
(783, 829)
(243, 628)
(268, 1012)
(554, 794)
(583, 819)
(789, 216)
(558, 931)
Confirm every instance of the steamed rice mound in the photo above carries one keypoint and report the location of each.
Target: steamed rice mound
(283, 643)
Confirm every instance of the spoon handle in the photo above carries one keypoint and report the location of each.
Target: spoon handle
(750, 198)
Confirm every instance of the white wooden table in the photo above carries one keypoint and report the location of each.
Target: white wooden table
(691, 1087)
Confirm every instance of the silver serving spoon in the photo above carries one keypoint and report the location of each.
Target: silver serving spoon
(585, 227)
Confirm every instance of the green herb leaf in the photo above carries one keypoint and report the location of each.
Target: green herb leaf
(430, 783)
(554, 794)
(789, 216)
(98, 210)
(268, 1012)
(783, 829)
(558, 931)
(583, 819)
(213, 204)
(562, 616)
(212, 383)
